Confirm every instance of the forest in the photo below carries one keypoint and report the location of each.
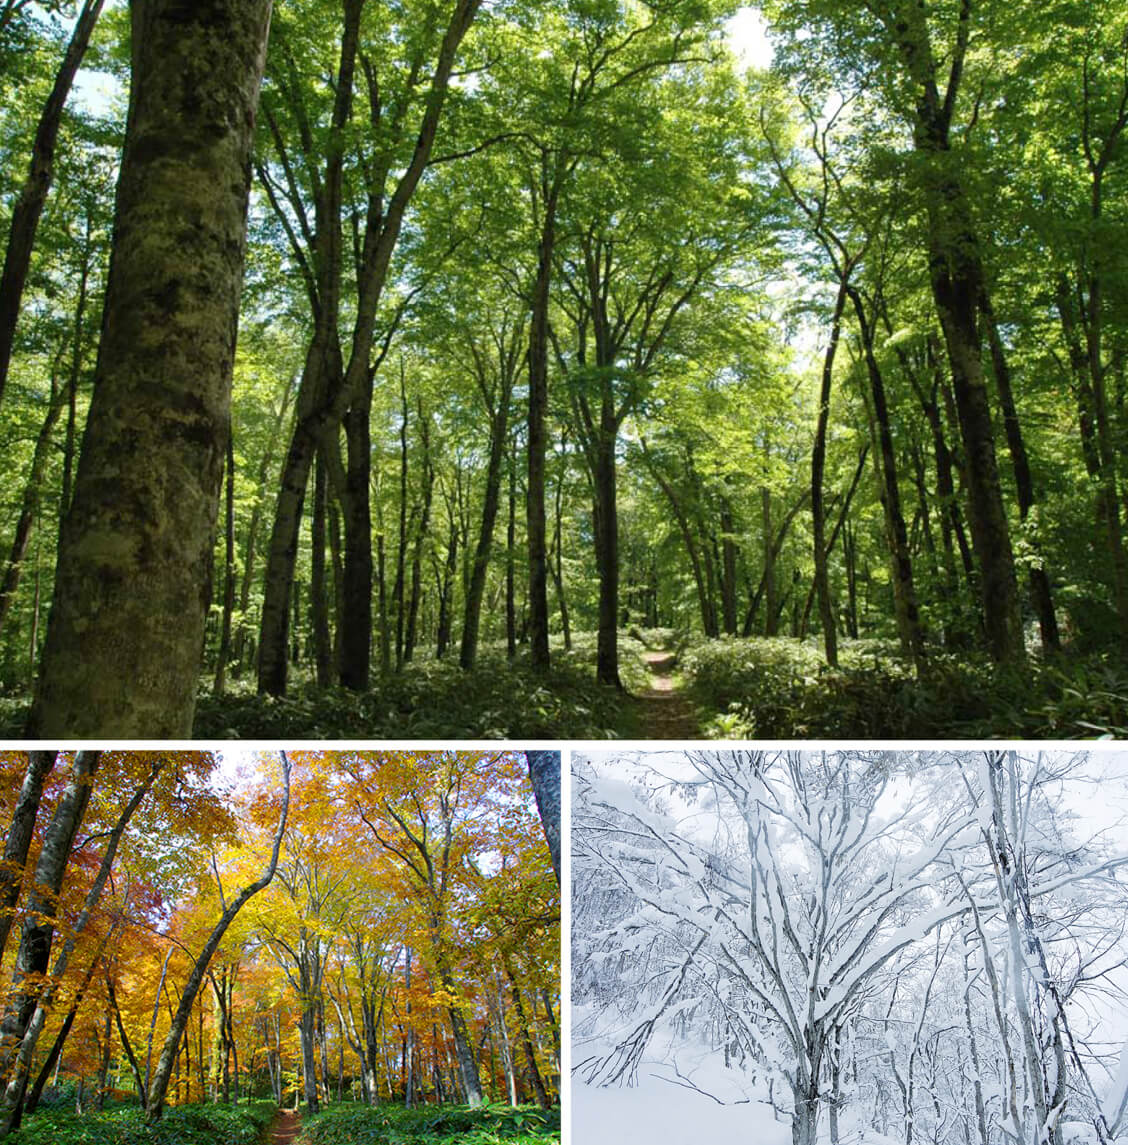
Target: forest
(198, 947)
(563, 369)
(850, 947)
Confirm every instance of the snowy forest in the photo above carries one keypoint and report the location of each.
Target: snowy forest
(838, 947)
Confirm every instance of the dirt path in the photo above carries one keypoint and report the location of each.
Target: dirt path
(287, 1125)
(663, 712)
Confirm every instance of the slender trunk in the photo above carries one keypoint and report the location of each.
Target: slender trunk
(38, 928)
(607, 548)
(1040, 591)
(356, 627)
(537, 436)
(421, 539)
(126, 633)
(499, 424)
(33, 195)
(557, 564)
(511, 564)
(159, 1087)
(223, 654)
(904, 590)
(818, 467)
(318, 580)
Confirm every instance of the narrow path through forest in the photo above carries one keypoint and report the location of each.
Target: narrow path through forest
(663, 712)
(287, 1125)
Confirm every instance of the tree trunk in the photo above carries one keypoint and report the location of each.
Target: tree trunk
(39, 766)
(537, 440)
(169, 1051)
(223, 654)
(42, 905)
(818, 467)
(318, 578)
(1040, 592)
(607, 546)
(904, 590)
(499, 428)
(356, 626)
(33, 195)
(544, 772)
(126, 632)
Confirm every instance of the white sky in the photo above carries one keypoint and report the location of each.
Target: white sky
(748, 38)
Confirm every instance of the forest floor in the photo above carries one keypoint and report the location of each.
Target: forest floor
(662, 711)
(286, 1127)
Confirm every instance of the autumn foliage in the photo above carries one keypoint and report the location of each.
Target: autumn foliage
(406, 948)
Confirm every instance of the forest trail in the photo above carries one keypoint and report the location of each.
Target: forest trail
(662, 712)
(286, 1127)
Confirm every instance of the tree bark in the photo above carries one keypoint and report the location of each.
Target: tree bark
(42, 906)
(818, 467)
(544, 772)
(125, 637)
(169, 1051)
(33, 195)
(39, 766)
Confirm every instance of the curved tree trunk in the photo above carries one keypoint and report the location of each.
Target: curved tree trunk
(158, 1086)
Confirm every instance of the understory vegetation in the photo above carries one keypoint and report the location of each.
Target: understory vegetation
(184, 1125)
(395, 1125)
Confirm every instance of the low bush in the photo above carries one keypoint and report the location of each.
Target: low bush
(433, 699)
(430, 1125)
(781, 689)
(181, 1125)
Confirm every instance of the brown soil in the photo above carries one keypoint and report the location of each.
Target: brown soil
(286, 1128)
(664, 713)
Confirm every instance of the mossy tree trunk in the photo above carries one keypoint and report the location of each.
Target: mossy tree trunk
(125, 638)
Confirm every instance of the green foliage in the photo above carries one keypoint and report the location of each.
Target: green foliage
(182, 1125)
(780, 688)
(394, 1125)
(433, 699)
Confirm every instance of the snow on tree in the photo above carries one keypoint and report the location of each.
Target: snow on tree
(887, 942)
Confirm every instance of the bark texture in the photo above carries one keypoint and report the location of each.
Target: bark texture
(126, 632)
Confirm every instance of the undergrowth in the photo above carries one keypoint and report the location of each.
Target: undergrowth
(181, 1125)
(780, 689)
(394, 1125)
(433, 699)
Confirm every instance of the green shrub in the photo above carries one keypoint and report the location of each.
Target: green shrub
(433, 699)
(428, 1125)
(781, 689)
(181, 1125)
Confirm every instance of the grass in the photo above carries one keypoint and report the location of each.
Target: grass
(394, 1125)
(181, 1125)
(780, 689)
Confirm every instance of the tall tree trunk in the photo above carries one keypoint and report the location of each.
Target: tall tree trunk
(904, 590)
(958, 283)
(421, 538)
(33, 195)
(126, 632)
(38, 929)
(607, 548)
(499, 429)
(818, 468)
(39, 766)
(537, 438)
(1040, 591)
(158, 1088)
(318, 579)
(511, 562)
(223, 653)
(356, 627)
